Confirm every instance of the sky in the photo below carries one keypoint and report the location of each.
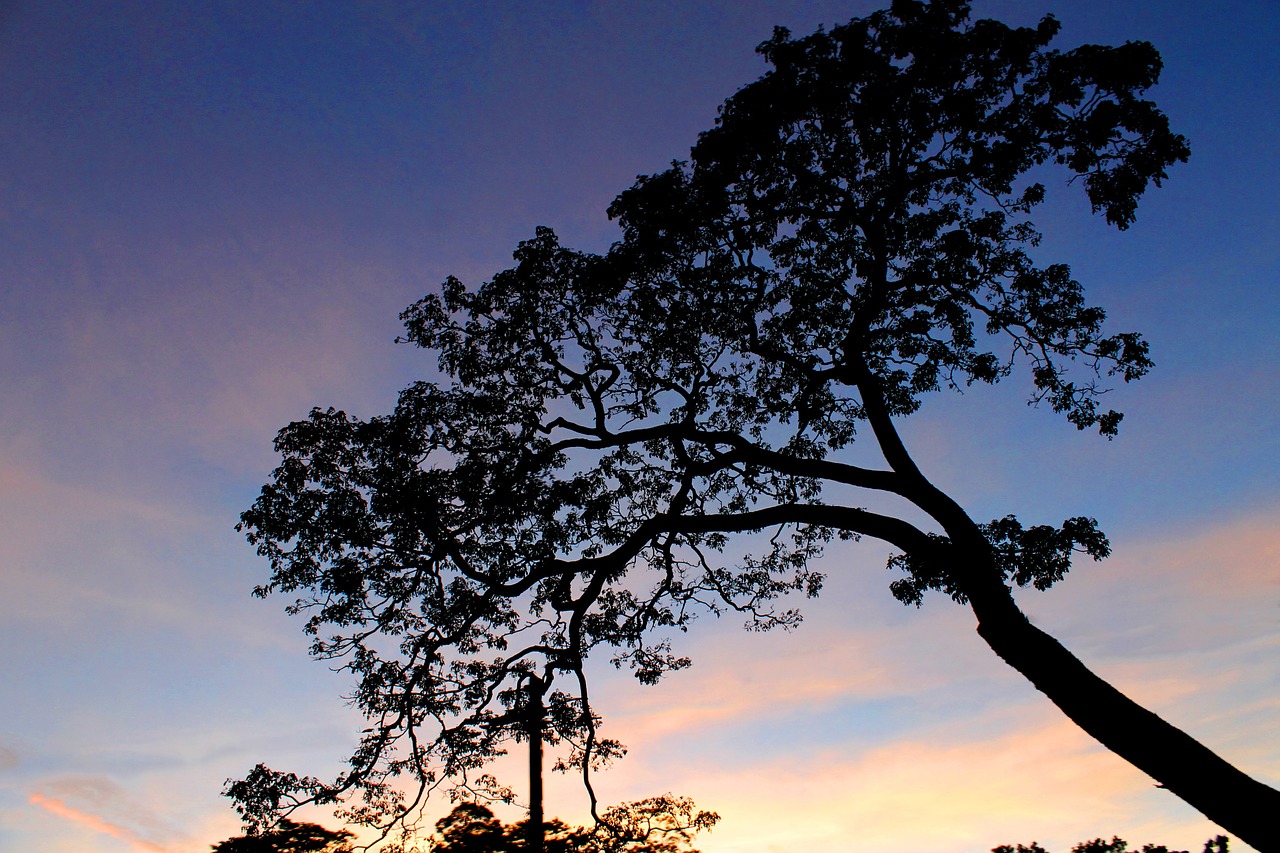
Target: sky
(211, 214)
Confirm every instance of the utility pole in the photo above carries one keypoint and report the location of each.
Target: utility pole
(534, 721)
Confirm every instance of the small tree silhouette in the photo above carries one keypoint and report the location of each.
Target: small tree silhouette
(1115, 845)
(289, 837)
(656, 825)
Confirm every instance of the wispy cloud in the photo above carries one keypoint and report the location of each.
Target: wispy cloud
(101, 806)
(782, 736)
(1042, 780)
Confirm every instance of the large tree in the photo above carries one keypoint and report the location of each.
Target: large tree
(616, 443)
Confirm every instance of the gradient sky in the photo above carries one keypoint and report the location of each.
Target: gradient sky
(211, 214)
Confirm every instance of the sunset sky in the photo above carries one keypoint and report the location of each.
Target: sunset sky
(211, 214)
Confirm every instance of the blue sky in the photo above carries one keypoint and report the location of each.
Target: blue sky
(211, 215)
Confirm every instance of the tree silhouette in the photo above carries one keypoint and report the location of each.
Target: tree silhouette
(289, 837)
(620, 442)
(658, 825)
(1115, 845)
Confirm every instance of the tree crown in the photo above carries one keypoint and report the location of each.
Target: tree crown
(852, 235)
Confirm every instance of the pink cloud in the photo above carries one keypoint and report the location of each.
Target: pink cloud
(939, 792)
(1184, 624)
(812, 672)
(97, 823)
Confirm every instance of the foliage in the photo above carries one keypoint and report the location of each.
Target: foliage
(1115, 845)
(663, 824)
(289, 837)
(618, 443)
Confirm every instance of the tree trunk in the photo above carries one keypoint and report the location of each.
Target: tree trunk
(1239, 804)
(537, 828)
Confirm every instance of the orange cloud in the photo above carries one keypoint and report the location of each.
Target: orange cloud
(1185, 625)
(785, 673)
(95, 823)
(936, 792)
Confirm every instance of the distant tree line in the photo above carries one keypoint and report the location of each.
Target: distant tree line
(1115, 845)
(657, 825)
(663, 824)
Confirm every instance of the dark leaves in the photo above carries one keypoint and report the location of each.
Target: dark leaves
(1115, 845)
(1037, 556)
(616, 444)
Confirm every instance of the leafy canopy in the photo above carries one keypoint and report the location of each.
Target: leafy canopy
(662, 824)
(853, 235)
(1219, 844)
(289, 837)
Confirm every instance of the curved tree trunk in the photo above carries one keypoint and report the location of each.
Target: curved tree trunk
(1187, 768)
(1238, 803)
